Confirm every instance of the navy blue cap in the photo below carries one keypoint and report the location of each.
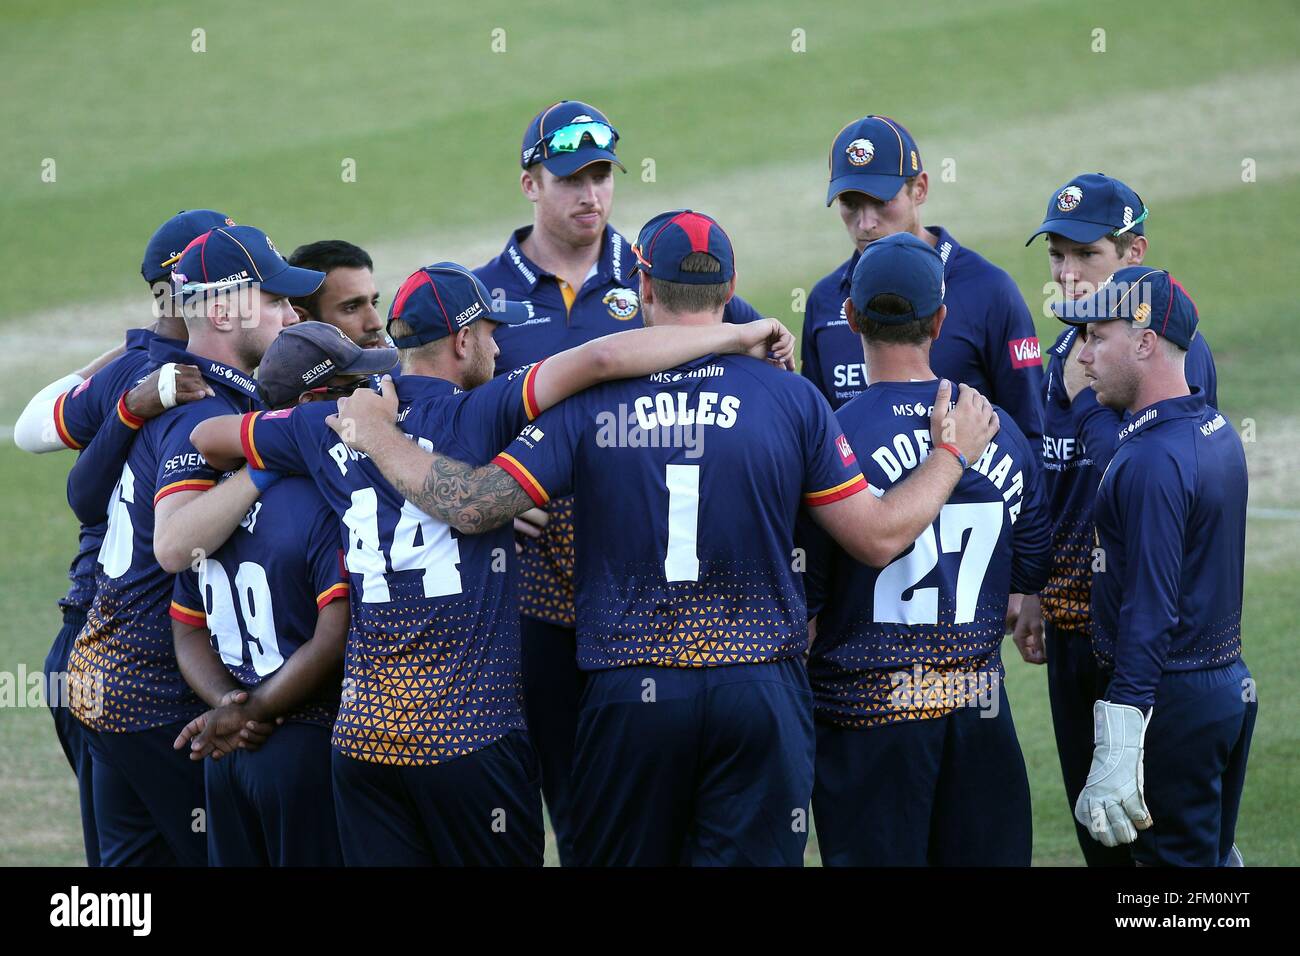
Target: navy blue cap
(1091, 206)
(231, 256)
(1149, 298)
(901, 265)
(874, 155)
(667, 239)
(308, 355)
(538, 139)
(170, 239)
(442, 299)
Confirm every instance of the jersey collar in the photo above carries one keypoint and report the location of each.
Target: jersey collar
(612, 266)
(231, 379)
(414, 388)
(1167, 410)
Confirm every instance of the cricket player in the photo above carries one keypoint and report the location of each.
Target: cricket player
(348, 298)
(694, 741)
(1173, 726)
(1095, 226)
(431, 760)
(988, 339)
(574, 271)
(917, 757)
(268, 612)
(148, 800)
(121, 386)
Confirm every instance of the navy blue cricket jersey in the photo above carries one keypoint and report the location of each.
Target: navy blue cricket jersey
(687, 484)
(564, 318)
(1078, 440)
(78, 416)
(987, 341)
(432, 667)
(941, 604)
(259, 593)
(1171, 525)
(127, 640)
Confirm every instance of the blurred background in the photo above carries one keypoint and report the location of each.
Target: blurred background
(116, 115)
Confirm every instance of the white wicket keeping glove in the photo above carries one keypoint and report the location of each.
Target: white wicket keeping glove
(1111, 804)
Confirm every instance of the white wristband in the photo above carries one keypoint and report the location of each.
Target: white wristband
(167, 385)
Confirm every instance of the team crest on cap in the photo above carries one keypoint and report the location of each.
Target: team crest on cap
(860, 152)
(1142, 313)
(229, 221)
(622, 303)
(1069, 199)
(582, 118)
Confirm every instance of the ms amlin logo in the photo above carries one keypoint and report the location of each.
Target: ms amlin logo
(75, 908)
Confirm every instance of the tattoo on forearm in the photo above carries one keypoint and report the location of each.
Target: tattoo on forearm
(471, 500)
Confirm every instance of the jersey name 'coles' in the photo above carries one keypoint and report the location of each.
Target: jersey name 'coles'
(685, 530)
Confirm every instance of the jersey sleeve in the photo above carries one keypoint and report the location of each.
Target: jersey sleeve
(187, 602)
(329, 578)
(1151, 504)
(1031, 534)
(1096, 428)
(831, 470)
(542, 457)
(280, 440)
(738, 311)
(180, 466)
(1015, 357)
(92, 478)
(498, 409)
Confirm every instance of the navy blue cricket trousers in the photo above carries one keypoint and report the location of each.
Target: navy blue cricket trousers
(480, 809)
(149, 805)
(707, 766)
(945, 791)
(274, 806)
(552, 690)
(73, 736)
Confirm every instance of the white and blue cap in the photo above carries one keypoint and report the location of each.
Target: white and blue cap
(900, 265)
(441, 299)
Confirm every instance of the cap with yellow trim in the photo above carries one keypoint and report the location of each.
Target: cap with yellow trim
(874, 155)
(231, 256)
(1148, 298)
(170, 239)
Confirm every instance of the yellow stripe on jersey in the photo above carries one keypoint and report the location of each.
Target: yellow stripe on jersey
(840, 491)
(60, 426)
(332, 593)
(525, 478)
(189, 484)
(187, 615)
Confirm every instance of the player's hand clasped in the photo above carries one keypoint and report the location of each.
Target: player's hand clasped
(185, 384)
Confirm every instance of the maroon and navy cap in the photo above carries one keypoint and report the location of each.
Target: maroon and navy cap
(568, 135)
(231, 256)
(874, 155)
(170, 239)
(1148, 298)
(667, 239)
(441, 299)
(307, 355)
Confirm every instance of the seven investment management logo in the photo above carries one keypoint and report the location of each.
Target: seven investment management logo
(103, 909)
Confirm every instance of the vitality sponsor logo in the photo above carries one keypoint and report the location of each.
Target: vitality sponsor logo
(846, 450)
(1025, 352)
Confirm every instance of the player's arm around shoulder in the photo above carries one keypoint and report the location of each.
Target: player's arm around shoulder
(471, 500)
(876, 530)
(637, 352)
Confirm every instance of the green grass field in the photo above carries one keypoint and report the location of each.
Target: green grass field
(1193, 103)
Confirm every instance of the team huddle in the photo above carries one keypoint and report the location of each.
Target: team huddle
(570, 526)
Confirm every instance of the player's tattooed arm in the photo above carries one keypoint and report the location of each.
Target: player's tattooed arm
(472, 500)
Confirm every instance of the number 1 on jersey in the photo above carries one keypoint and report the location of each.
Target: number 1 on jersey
(682, 562)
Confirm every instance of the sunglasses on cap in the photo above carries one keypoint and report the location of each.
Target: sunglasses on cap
(347, 388)
(569, 139)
